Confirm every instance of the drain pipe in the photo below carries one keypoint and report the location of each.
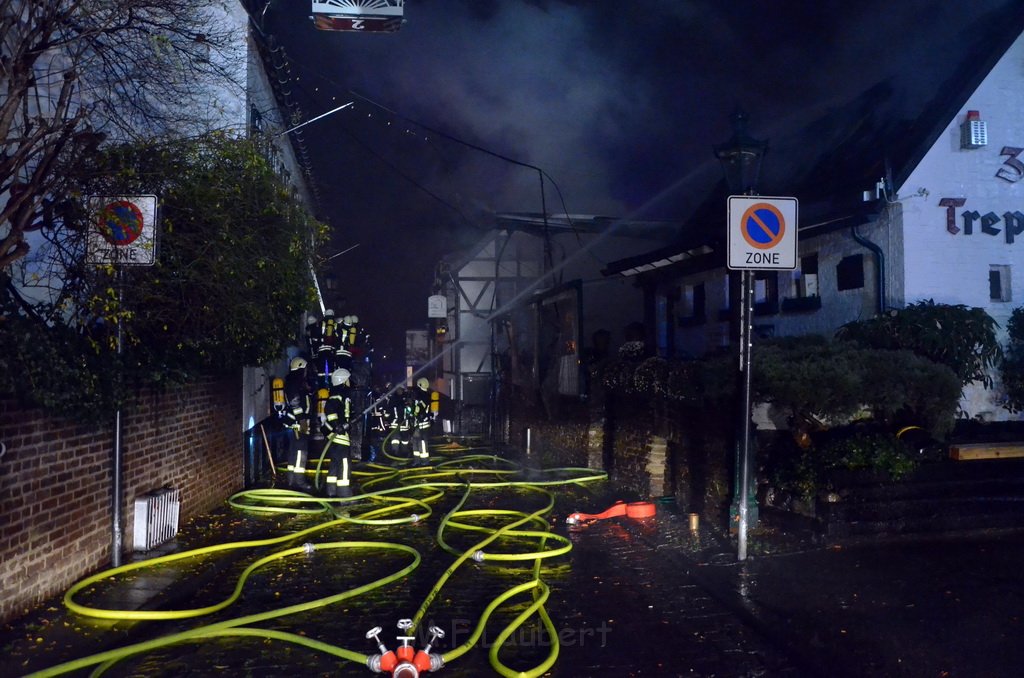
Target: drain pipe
(879, 264)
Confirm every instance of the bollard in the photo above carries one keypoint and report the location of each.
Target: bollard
(694, 522)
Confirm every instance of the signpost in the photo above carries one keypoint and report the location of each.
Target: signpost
(121, 233)
(762, 236)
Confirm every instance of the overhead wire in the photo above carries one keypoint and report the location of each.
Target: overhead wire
(396, 169)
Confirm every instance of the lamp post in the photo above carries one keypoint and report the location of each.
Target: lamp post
(741, 162)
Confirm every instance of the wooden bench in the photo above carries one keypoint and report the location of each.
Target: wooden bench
(969, 451)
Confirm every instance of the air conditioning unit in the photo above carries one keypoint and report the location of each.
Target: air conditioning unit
(156, 518)
(973, 131)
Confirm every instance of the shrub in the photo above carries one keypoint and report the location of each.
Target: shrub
(231, 278)
(1012, 367)
(834, 381)
(807, 376)
(804, 472)
(961, 338)
(857, 448)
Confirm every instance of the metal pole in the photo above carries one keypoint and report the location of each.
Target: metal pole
(118, 489)
(746, 346)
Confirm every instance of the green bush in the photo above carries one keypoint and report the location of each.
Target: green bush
(807, 376)
(855, 448)
(1012, 367)
(961, 338)
(231, 279)
(709, 381)
(53, 367)
(804, 472)
(836, 381)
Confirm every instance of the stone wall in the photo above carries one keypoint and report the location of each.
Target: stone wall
(55, 480)
(648, 448)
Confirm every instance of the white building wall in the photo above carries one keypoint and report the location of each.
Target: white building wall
(261, 98)
(951, 267)
(256, 380)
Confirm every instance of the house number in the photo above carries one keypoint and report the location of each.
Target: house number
(1013, 168)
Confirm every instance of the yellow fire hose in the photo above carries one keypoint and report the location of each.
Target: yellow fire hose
(395, 496)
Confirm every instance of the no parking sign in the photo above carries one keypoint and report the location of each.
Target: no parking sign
(762, 233)
(122, 230)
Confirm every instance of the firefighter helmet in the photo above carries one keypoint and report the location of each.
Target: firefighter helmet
(422, 384)
(353, 320)
(298, 363)
(329, 313)
(340, 376)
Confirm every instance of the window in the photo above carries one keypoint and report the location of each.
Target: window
(692, 303)
(255, 119)
(805, 297)
(850, 273)
(999, 283)
(730, 293)
(807, 284)
(766, 293)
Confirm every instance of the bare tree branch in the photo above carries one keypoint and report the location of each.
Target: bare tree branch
(127, 69)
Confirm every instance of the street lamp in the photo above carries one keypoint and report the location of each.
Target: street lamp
(741, 158)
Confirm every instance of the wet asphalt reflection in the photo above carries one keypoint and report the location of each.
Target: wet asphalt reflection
(620, 606)
(633, 598)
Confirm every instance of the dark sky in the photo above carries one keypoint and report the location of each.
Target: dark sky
(618, 102)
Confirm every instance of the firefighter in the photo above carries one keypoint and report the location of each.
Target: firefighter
(276, 425)
(299, 403)
(358, 339)
(343, 345)
(313, 333)
(422, 418)
(379, 424)
(401, 423)
(338, 415)
(326, 361)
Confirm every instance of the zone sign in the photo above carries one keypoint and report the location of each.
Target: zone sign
(762, 233)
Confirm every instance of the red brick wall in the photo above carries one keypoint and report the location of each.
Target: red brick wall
(55, 484)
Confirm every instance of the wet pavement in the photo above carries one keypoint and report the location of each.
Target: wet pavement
(633, 598)
(940, 605)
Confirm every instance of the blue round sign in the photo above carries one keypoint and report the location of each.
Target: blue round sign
(763, 226)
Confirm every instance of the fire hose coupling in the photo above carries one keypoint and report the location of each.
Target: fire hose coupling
(405, 661)
(415, 518)
(309, 547)
(479, 556)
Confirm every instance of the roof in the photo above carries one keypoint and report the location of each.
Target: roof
(587, 223)
(883, 133)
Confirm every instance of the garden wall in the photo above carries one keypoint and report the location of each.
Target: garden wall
(55, 480)
(648, 448)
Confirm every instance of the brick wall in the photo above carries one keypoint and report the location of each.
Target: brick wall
(55, 485)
